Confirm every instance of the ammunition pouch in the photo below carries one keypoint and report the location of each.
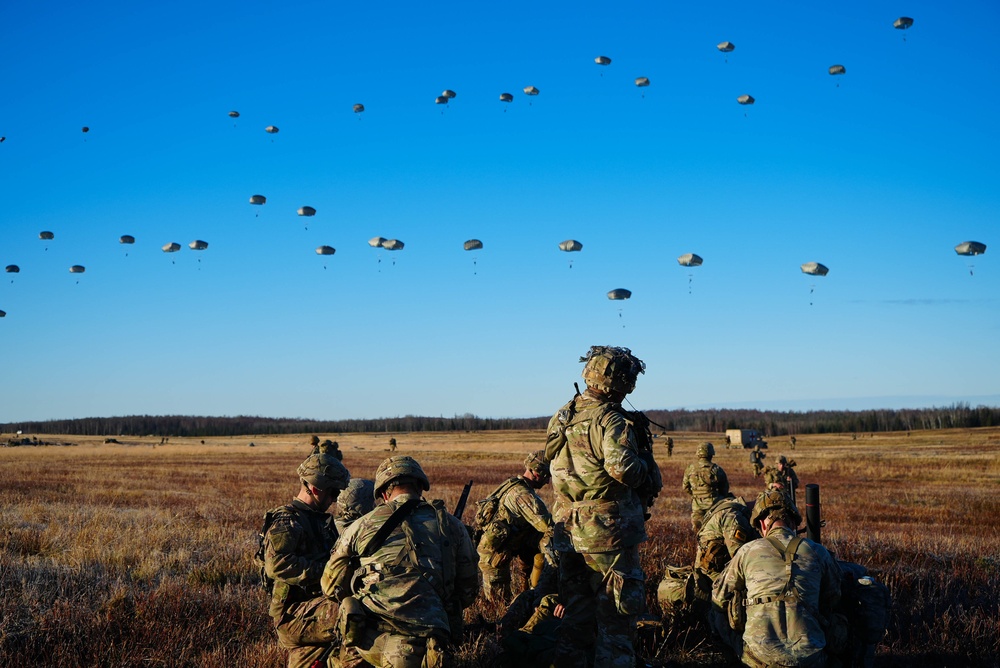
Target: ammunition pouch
(352, 622)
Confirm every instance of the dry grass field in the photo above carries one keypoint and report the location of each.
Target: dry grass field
(139, 554)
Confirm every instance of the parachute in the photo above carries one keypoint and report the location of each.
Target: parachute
(234, 114)
(619, 293)
(258, 199)
(642, 82)
(531, 91)
(725, 47)
(970, 248)
(84, 129)
(126, 239)
(198, 244)
(473, 244)
(689, 260)
(902, 23)
(376, 242)
(358, 108)
(326, 250)
(77, 269)
(46, 235)
(448, 93)
(746, 99)
(12, 269)
(441, 99)
(602, 60)
(306, 211)
(392, 244)
(570, 246)
(271, 129)
(172, 247)
(3, 314)
(837, 69)
(506, 97)
(815, 269)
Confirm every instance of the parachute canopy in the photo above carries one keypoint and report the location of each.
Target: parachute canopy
(392, 244)
(619, 293)
(815, 269)
(84, 129)
(257, 199)
(234, 114)
(530, 90)
(12, 269)
(46, 235)
(970, 248)
(902, 23)
(602, 60)
(725, 47)
(642, 82)
(506, 97)
(358, 108)
(570, 245)
(172, 247)
(473, 244)
(271, 129)
(689, 260)
(77, 269)
(126, 239)
(198, 244)
(441, 99)
(376, 242)
(448, 93)
(326, 250)
(838, 69)
(3, 314)
(306, 211)
(746, 99)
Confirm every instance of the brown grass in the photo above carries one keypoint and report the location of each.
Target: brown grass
(140, 554)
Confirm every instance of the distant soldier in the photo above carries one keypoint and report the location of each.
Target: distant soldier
(791, 442)
(782, 477)
(392, 444)
(670, 447)
(519, 526)
(772, 602)
(757, 459)
(704, 481)
(604, 478)
(314, 442)
(331, 448)
(404, 572)
(296, 545)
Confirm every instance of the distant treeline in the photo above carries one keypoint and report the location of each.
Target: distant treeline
(769, 423)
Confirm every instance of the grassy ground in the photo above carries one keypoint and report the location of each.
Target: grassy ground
(140, 553)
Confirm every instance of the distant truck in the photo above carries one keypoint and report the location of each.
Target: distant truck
(747, 438)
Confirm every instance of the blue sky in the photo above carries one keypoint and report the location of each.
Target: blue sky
(878, 178)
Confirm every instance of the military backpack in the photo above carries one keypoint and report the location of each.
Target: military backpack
(266, 583)
(486, 509)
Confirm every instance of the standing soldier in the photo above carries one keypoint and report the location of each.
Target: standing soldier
(604, 477)
(520, 526)
(403, 573)
(791, 442)
(772, 602)
(670, 447)
(757, 459)
(296, 545)
(392, 444)
(782, 477)
(704, 481)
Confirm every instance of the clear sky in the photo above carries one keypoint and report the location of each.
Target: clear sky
(877, 174)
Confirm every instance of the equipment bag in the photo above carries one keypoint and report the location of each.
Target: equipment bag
(486, 509)
(266, 583)
(865, 601)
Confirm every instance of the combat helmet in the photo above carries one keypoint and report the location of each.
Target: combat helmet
(611, 369)
(401, 466)
(782, 459)
(706, 451)
(535, 462)
(772, 500)
(356, 500)
(324, 471)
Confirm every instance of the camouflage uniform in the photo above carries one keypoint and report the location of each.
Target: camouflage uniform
(704, 481)
(785, 477)
(595, 473)
(726, 528)
(297, 545)
(522, 528)
(781, 629)
(356, 501)
(757, 459)
(412, 587)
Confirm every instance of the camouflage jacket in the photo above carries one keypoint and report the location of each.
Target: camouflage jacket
(521, 517)
(596, 469)
(705, 480)
(424, 571)
(787, 478)
(783, 626)
(726, 528)
(296, 548)
(757, 457)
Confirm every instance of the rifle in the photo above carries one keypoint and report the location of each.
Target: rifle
(462, 500)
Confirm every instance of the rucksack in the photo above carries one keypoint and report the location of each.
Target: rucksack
(266, 583)
(866, 602)
(486, 509)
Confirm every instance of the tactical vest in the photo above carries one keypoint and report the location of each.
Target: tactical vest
(704, 480)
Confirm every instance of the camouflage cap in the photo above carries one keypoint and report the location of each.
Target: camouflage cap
(611, 369)
(401, 466)
(706, 450)
(324, 471)
(774, 500)
(535, 462)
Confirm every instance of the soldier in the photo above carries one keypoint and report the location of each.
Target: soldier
(782, 477)
(392, 444)
(404, 572)
(757, 459)
(314, 442)
(791, 442)
(520, 527)
(604, 477)
(354, 502)
(785, 585)
(297, 542)
(670, 447)
(704, 481)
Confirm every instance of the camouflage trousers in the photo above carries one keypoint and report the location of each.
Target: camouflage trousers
(496, 570)
(757, 470)
(698, 509)
(603, 594)
(390, 649)
(306, 629)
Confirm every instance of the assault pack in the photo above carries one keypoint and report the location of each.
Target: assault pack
(486, 509)
(866, 604)
(266, 583)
